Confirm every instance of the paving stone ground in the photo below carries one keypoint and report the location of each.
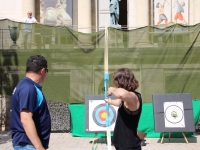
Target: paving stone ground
(65, 141)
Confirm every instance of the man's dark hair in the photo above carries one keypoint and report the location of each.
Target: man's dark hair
(158, 5)
(35, 63)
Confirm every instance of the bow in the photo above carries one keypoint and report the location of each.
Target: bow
(106, 79)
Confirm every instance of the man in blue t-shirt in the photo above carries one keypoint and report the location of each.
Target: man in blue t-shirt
(30, 121)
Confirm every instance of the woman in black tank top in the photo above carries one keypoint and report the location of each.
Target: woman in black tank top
(130, 106)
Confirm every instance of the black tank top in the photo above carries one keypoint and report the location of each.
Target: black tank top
(125, 133)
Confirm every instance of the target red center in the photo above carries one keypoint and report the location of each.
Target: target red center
(102, 115)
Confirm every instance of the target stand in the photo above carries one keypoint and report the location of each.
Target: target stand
(95, 114)
(169, 137)
(173, 113)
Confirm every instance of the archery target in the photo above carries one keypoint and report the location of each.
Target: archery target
(97, 115)
(174, 114)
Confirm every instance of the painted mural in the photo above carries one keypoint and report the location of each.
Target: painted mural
(168, 12)
(56, 12)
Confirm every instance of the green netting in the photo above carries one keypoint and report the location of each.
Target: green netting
(146, 123)
(164, 60)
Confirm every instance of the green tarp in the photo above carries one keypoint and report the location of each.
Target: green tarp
(146, 123)
(164, 60)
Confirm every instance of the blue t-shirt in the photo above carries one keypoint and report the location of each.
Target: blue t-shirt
(28, 95)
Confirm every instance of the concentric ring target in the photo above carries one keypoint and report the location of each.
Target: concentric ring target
(99, 115)
(174, 114)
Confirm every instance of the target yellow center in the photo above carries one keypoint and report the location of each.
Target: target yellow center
(103, 115)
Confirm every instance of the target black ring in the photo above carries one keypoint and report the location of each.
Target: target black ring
(102, 107)
(168, 119)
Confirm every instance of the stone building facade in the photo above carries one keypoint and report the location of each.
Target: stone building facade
(91, 15)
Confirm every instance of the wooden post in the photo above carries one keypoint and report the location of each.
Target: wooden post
(185, 138)
(162, 137)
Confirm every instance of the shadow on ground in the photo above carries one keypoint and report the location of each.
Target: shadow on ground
(101, 140)
(178, 140)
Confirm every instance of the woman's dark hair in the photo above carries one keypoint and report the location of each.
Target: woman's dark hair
(157, 5)
(35, 63)
(124, 78)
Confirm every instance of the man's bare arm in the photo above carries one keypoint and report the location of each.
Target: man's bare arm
(164, 3)
(30, 129)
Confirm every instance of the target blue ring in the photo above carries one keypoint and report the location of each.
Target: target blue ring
(98, 109)
(99, 119)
